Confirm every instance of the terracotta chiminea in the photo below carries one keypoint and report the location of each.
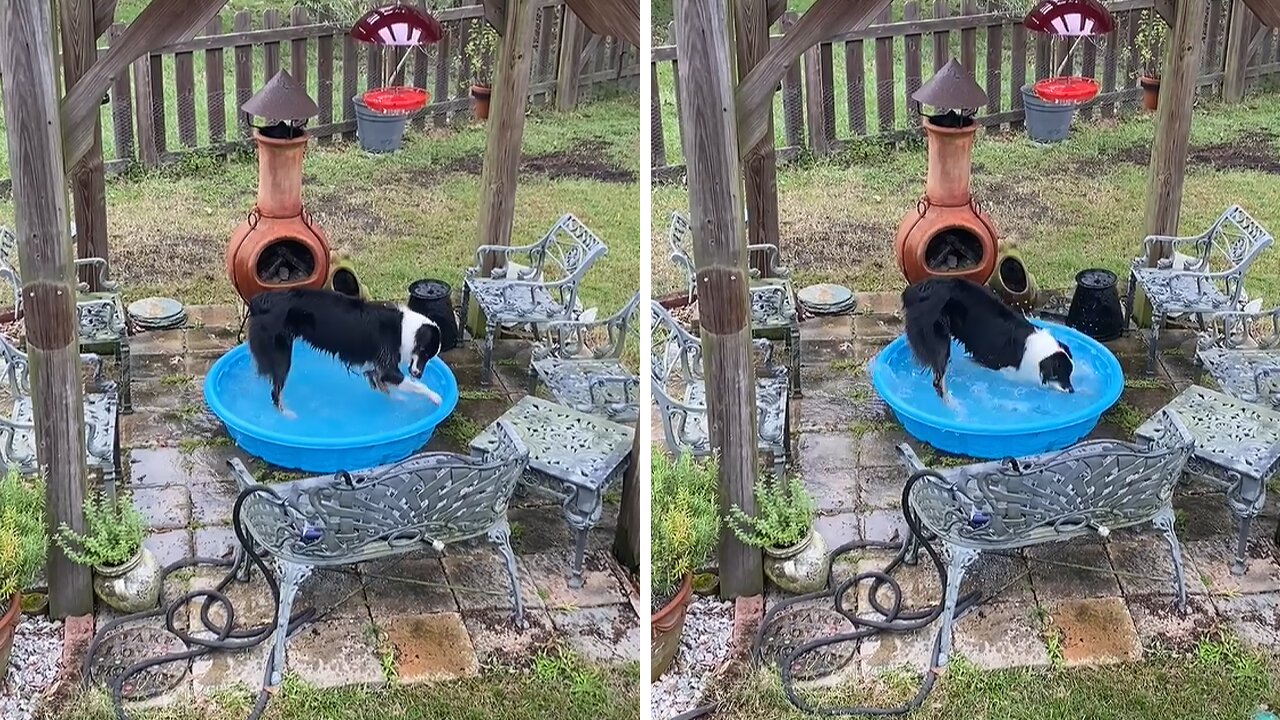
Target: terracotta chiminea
(946, 234)
(278, 246)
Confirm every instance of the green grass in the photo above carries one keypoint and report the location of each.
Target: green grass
(1075, 205)
(401, 217)
(1218, 681)
(557, 686)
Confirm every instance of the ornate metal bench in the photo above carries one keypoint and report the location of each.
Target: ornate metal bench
(101, 407)
(427, 501)
(1095, 486)
(102, 319)
(1233, 242)
(1241, 352)
(773, 299)
(676, 372)
(545, 289)
(590, 378)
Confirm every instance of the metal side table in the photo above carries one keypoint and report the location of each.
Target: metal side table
(1237, 449)
(573, 457)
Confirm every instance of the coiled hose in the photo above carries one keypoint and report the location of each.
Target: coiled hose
(895, 619)
(226, 638)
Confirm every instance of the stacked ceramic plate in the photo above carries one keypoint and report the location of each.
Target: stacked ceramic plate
(827, 299)
(157, 313)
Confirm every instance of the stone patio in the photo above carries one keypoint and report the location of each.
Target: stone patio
(1079, 603)
(423, 618)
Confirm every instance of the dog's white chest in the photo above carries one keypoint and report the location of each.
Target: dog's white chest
(1039, 346)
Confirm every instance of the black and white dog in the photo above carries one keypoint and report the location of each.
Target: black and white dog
(373, 338)
(940, 309)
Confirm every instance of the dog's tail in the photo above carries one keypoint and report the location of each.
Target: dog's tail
(924, 306)
(270, 336)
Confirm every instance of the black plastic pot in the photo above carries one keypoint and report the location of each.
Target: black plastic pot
(1095, 308)
(433, 299)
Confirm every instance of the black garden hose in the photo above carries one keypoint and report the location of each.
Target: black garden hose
(226, 637)
(895, 618)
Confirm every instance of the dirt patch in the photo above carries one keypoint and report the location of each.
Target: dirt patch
(340, 216)
(828, 247)
(170, 260)
(1013, 206)
(584, 161)
(1255, 151)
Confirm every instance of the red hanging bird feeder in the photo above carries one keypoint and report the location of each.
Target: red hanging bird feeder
(397, 26)
(1075, 19)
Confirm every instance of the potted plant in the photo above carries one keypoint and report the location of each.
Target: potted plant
(481, 49)
(126, 575)
(795, 553)
(22, 550)
(1150, 39)
(685, 528)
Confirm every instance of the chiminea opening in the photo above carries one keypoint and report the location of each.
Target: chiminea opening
(951, 119)
(953, 249)
(282, 131)
(345, 282)
(1013, 275)
(285, 261)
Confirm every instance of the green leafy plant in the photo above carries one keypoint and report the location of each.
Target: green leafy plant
(685, 519)
(481, 51)
(1150, 39)
(23, 542)
(114, 530)
(784, 514)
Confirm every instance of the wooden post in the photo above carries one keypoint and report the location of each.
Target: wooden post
(30, 91)
(1237, 60)
(709, 132)
(760, 163)
(569, 65)
(88, 179)
(626, 539)
(1173, 122)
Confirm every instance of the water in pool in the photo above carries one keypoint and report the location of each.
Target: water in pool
(979, 396)
(329, 400)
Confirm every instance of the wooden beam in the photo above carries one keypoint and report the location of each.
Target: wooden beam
(496, 15)
(30, 92)
(704, 32)
(569, 69)
(824, 20)
(1164, 8)
(506, 125)
(626, 538)
(1173, 123)
(760, 163)
(1268, 11)
(104, 16)
(88, 179)
(1238, 52)
(619, 18)
(161, 23)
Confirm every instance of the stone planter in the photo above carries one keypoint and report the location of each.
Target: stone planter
(8, 623)
(131, 587)
(665, 628)
(801, 568)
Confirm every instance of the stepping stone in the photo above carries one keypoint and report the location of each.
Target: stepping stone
(431, 648)
(1095, 631)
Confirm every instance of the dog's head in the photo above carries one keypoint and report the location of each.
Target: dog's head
(1055, 370)
(426, 345)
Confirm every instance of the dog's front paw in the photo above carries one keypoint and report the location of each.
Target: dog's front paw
(288, 414)
(434, 397)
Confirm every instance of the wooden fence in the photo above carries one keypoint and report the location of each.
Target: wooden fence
(859, 84)
(186, 96)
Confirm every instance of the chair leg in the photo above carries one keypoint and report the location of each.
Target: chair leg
(1130, 292)
(500, 536)
(961, 559)
(126, 376)
(1238, 566)
(1157, 319)
(575, 579)
(794, 344)
(462, 313)
(291, 577)
(1164, 523)
(486, 373)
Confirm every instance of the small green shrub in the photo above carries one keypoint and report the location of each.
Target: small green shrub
(685, 519)
(1150, 40)
(113, 533)
(23, 542)
(784, 514)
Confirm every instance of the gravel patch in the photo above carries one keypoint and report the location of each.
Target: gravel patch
(704, 646)
(33, 666)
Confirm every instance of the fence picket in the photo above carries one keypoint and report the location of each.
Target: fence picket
(350, 80)
(215, 85)
(121, 106)
(184, 74)
(885, 83)
(995, 67)
(270, 50)
(243, 71)
(324, 82)
(941, 38)
(299, 53)
(856, 86)
(1018, 74)
(911, 45)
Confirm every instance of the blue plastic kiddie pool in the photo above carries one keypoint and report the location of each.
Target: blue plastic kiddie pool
(992, 415)
(341, 423)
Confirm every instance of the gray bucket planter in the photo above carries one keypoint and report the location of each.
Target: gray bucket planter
(1046, 122)
(379, 132)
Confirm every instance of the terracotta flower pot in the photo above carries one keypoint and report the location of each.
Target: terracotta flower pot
(8, 623)
(480, 100)
(1150, 91)
(665, 628)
